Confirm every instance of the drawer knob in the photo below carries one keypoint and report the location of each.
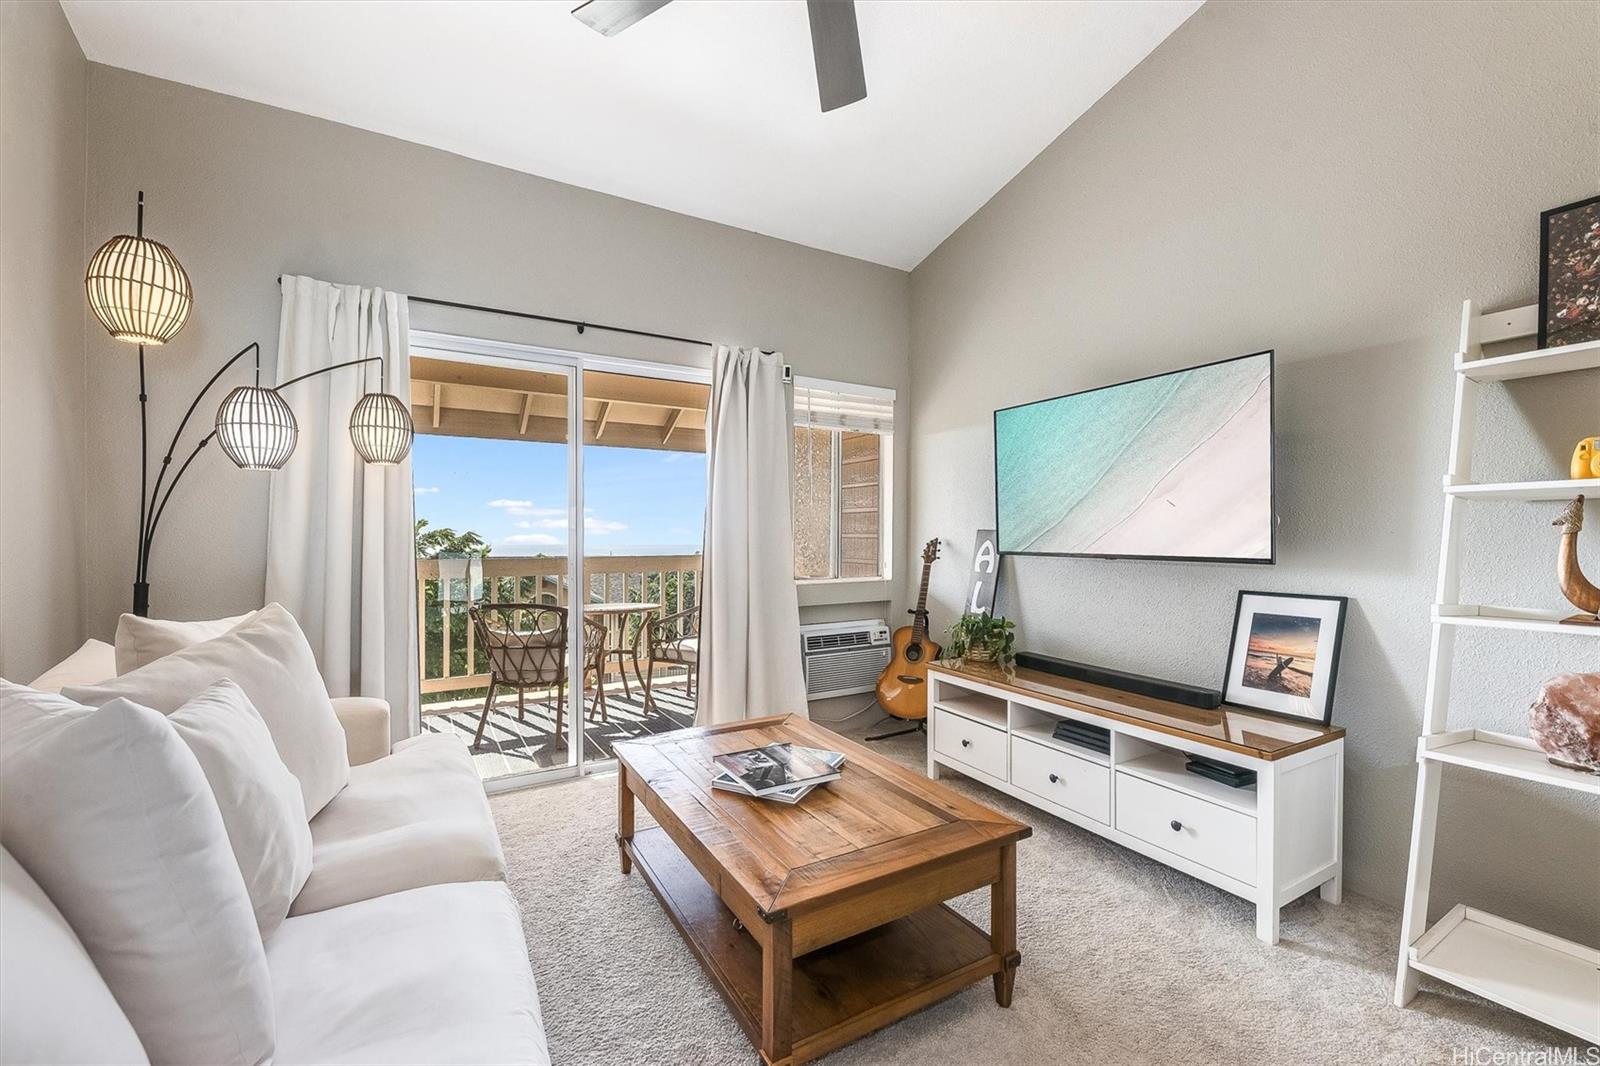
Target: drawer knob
(966, 743)
(1054, 780)
(1177, 826)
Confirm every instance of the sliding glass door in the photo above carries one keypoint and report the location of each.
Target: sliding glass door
(559, 502)
(497, 472)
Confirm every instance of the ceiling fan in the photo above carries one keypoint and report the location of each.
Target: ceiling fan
(835, 41)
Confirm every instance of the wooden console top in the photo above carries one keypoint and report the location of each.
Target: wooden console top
(1231, 728)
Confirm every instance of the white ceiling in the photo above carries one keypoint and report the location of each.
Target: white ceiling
(707, 107)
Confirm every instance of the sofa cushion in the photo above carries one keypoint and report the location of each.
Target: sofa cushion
(141, 641)
(433, 975)
(415, 817)
(55, 1005)
(258, 796)
(94, 661)
(269, 658)
(111, 814)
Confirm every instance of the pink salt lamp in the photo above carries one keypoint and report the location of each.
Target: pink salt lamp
(1565, 721)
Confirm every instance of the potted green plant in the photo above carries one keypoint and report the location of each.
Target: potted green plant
(983, 638)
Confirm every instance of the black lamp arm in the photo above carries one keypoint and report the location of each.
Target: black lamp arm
(335, 366)
(148, 518)
(154, 510)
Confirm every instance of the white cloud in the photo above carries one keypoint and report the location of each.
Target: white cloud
(525, 508)
(425, 490)
(598, 526)
(540, 539)
(550, 518)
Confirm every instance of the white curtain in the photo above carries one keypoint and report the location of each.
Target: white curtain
(340, 552)
(750, 618)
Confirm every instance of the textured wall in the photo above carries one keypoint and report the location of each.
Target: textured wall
(243, 192)
(1330, 180)
(42, 78)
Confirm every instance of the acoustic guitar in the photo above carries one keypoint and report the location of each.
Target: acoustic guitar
(903, 685)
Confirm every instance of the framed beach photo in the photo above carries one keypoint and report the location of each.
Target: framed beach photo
(1283, 657)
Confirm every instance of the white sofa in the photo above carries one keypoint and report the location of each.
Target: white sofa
(404, 946)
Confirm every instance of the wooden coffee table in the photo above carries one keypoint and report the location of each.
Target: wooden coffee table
(822, 921)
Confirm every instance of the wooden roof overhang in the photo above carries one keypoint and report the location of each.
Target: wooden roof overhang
(463, 399)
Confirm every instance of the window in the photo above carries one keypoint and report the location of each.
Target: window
(843, 436)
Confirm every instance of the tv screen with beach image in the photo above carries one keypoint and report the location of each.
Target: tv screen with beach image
(1173, 466)
(1282, 654)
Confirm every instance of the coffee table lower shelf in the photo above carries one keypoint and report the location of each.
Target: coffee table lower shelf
(840, 992)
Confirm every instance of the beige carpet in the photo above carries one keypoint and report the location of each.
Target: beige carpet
(1123, 961)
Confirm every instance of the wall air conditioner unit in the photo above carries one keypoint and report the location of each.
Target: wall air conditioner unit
(843, 658)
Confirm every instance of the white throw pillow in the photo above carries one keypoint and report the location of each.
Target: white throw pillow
(141, 641)
(260, 799)
(95, 661)
(111, 814)
(268, 657)
(54, 1005)
(27, 713)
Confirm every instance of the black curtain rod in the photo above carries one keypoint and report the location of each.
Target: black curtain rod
(580, 325)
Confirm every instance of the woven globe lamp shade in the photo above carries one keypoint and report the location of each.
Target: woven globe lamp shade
(256, 428)
(381, 428)
(138, 290)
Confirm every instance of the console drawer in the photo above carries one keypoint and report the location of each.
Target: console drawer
(1213, 836)
(979, 746)
(1063, 779)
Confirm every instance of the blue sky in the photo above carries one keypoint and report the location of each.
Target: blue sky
(514, 495)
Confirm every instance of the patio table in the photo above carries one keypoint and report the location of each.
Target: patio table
(615, 617)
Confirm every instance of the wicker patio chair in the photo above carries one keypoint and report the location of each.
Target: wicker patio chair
(527, 648)
(674, 640)
(594, 637)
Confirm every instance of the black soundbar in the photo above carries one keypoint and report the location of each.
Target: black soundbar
(1177, 692)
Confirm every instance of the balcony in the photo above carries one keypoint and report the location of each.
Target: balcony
(454, 675)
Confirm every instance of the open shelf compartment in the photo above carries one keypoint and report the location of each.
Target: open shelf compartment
(1165, 767)
(1501, 753)
(1039, 726)
(978, 706)
(1549, 979)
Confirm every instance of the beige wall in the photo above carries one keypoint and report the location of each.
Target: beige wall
(244, 192)
(42, 78)
(1330, 180)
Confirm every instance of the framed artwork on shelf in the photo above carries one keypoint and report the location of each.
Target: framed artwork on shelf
(1283, 655)
(1569, 274)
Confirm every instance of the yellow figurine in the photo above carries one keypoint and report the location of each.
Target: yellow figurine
(1586, 458)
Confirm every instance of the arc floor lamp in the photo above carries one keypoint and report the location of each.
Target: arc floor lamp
(141, 294)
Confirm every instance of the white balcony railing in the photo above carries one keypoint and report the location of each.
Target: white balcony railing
(447, 648)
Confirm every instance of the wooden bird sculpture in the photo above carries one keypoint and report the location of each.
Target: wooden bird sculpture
(1574, 586)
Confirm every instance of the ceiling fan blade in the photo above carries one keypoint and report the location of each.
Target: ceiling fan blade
(611, 17)
(836, 46)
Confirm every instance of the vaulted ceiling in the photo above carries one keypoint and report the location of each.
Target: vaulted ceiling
(707, 107)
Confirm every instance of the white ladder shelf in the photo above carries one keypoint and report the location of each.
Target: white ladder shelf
(1542, 976)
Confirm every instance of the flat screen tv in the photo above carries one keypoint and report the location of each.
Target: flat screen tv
(1175, 466)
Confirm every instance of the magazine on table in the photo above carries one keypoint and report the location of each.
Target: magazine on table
(783, 772)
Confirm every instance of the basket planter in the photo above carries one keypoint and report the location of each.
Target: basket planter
(982, 653)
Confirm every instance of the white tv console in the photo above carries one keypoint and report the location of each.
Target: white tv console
(1269, 844)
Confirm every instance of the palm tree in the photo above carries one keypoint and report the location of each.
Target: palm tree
(445, 542)
(433, 543)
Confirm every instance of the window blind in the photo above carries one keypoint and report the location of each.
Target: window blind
(834, 405)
